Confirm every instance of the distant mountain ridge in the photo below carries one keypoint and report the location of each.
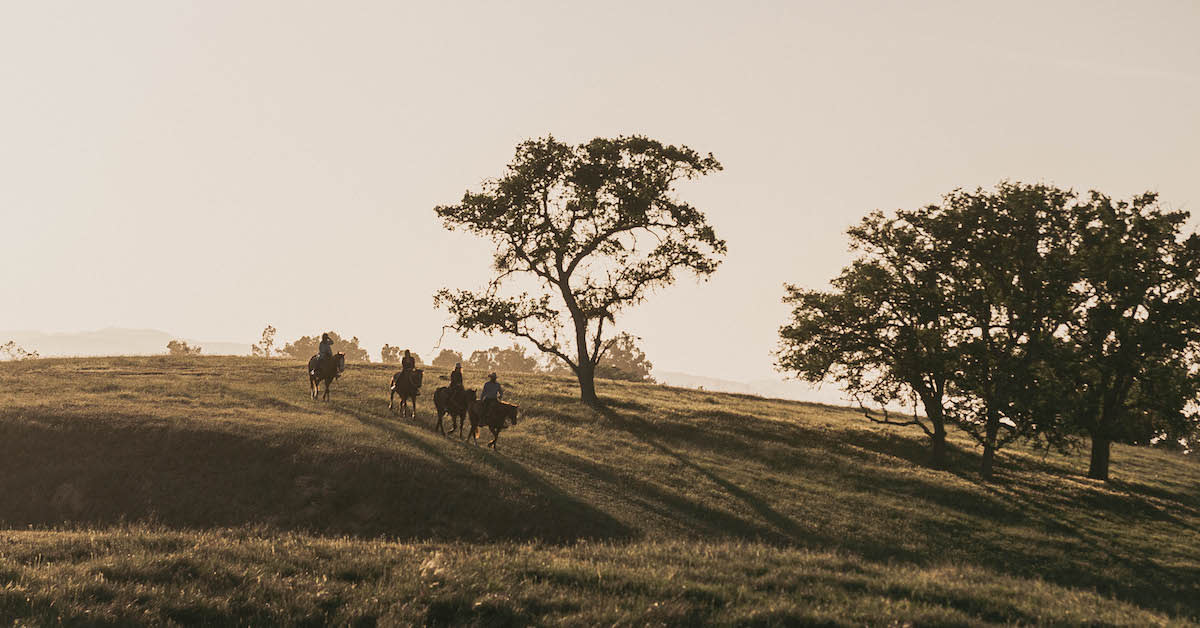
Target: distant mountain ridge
(112, 341)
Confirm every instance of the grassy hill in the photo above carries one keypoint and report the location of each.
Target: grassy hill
(211, 489)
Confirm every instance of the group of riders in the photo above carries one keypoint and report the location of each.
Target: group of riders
(490, 395)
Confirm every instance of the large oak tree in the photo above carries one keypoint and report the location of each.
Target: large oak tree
(1011, 256)
(1130, 375)
(597, 226)
(882, 331)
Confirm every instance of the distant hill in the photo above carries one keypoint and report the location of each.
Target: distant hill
(112, 341)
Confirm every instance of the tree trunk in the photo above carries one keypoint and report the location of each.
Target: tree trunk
(939, 443)
(991, 431)
(1098, 468)
(586, 373)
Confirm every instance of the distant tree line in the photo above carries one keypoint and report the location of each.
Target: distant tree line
(307, 346)
(392, 355)
(1025, 312)
(179, 347)
(624, 361)
(13, 351)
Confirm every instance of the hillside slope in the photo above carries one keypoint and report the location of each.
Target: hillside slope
(220, 443)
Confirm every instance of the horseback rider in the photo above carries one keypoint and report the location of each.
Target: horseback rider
(325, 350)
(408, 364)
(492, 393)
(457, 393)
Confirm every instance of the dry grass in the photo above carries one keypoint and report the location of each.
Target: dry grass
(213, 490)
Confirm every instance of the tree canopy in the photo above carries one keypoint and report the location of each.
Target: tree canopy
(881, 331)
(597, 227)
(1018, 312)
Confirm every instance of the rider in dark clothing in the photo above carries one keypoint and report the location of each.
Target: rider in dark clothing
(457, 393)
(325, 350)
(408, 364)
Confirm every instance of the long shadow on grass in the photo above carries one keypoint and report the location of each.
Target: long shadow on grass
(678, 513)
(1083, 556)
(99, 471)
(642, 430)
(543, 511)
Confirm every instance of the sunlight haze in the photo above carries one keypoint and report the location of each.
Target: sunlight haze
(209, 168)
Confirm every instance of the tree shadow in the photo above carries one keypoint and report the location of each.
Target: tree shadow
(544, 512)
(645, 432)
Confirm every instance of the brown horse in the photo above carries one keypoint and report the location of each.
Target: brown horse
(408, 386)
(495, 421)
(326, 371)
(446, 403)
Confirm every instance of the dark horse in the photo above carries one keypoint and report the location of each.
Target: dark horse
(445, 402)
(408, 386)
(326, 371)
(495, 422)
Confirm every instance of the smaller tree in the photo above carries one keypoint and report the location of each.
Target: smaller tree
(881, 332)
(15, 352)
(179, 347)
(306, 346)
(447, 359)
(264, 346)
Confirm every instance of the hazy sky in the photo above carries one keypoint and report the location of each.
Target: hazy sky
(208, 167)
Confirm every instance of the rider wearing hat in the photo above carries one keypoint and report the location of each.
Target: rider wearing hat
(491, 395)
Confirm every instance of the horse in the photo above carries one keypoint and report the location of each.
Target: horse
(444, 401)
(326, 371)
(495, 421)
(408, 388)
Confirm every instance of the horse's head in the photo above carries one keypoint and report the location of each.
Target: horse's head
(418, 377)
(340, 361)
(469, 393)
(509, 411)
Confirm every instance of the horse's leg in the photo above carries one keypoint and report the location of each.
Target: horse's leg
(312, 387)
(327, 383)
(414, 408)
(495, 435)
(391, 399)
